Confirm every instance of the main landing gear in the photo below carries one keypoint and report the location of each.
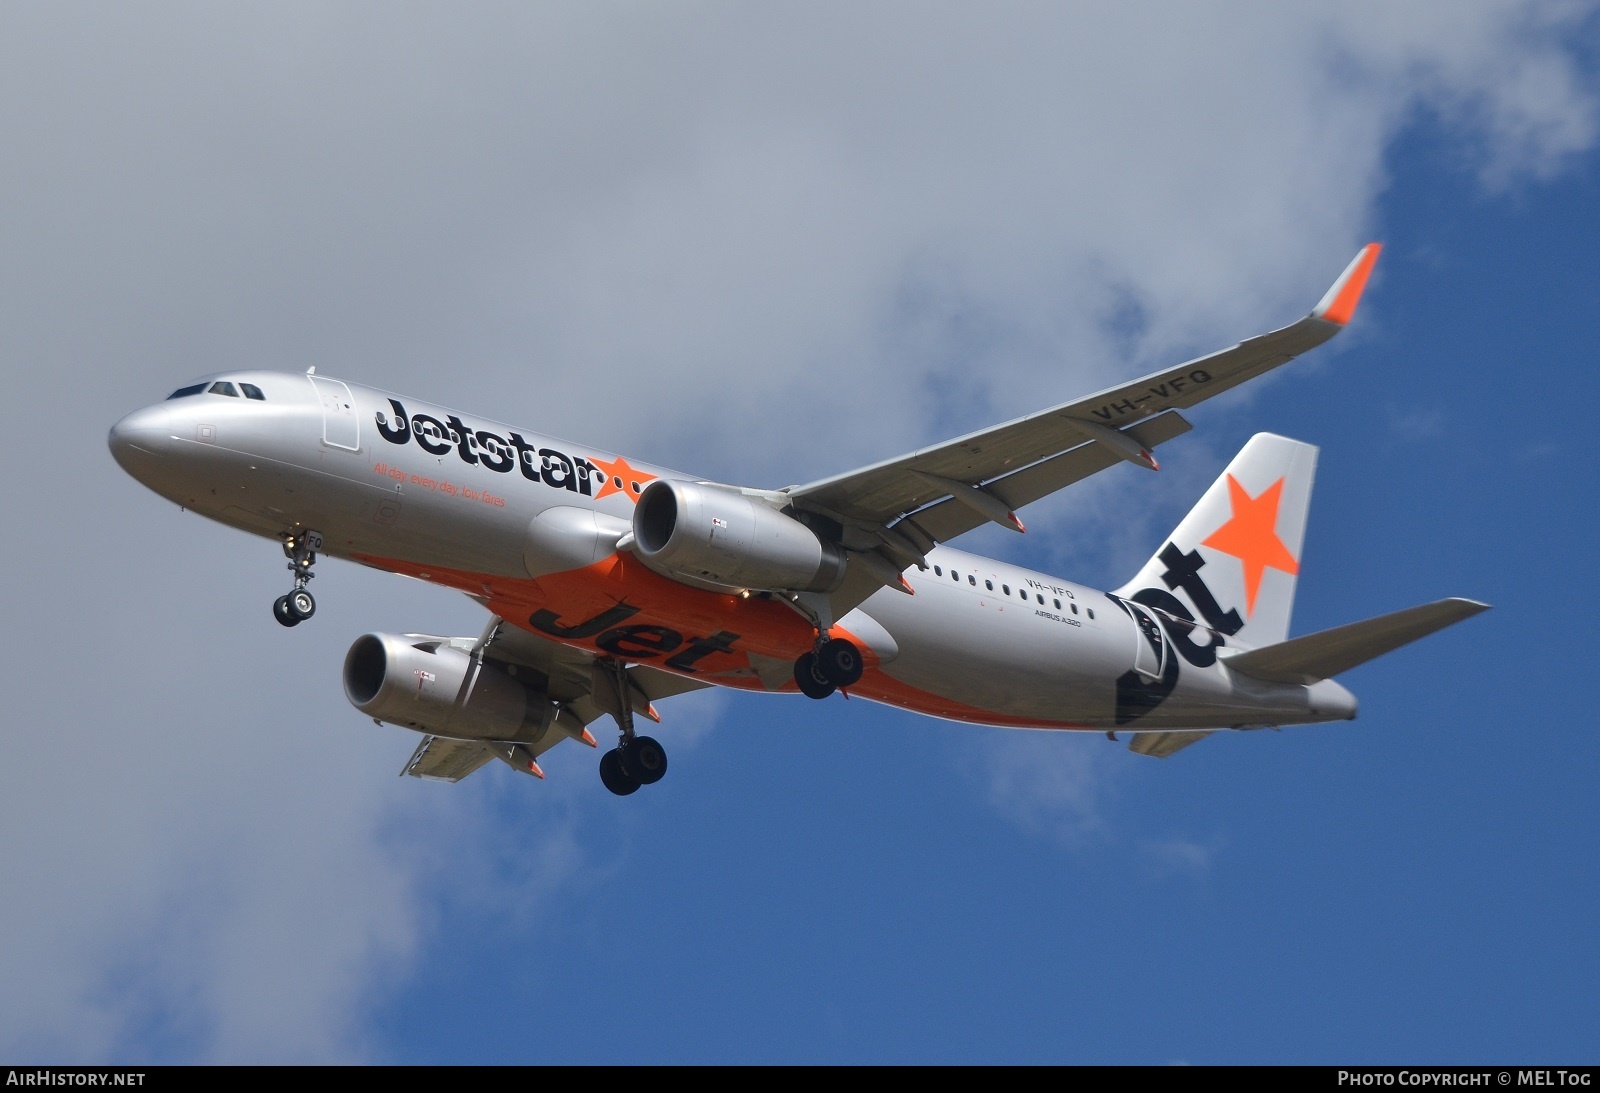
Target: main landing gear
(631, 764)
(297, 605)
(636, 760)
(834, 663)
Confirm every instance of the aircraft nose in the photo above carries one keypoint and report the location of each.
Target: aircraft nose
(139, 438)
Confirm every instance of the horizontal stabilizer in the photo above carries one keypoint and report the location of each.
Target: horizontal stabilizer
(1162, 744)
(1329, 652)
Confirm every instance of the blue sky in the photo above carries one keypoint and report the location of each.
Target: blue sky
(709, 244)
(1415, 886)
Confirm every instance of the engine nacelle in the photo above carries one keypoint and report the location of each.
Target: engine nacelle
(717, 535)
(427, 684)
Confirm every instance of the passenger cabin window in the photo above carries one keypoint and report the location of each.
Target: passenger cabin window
(989, 585)
(185, 392)
(1057, 603)
(973, 581)
(1091, 612)
(938, 571)
(223, 387)
(1006, 589)
(252, 391)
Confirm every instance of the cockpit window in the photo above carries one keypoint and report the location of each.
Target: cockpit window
(252, 391)
(223, 387)
(185, 392)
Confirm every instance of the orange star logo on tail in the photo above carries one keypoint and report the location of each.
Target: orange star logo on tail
(1251, 535)
(621, 478)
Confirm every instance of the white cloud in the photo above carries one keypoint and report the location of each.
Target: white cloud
(1049, 784)
(688, 719)
(766, 242)
(1179, 855)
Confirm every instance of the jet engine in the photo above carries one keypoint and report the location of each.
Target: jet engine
(428, 684)
(715, 534)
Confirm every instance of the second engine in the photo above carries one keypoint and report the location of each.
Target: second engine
(717, 535)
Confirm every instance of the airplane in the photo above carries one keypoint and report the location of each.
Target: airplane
(612, 583)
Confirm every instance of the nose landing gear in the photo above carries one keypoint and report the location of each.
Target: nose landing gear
(298, 605)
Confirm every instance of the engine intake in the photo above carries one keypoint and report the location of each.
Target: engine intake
(717, 535)
(427, 684)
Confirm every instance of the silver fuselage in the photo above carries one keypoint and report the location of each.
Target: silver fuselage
(528, 525)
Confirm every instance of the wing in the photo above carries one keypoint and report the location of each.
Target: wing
(893, 512)
(577, 681)
(447, 760)
(1162, 744)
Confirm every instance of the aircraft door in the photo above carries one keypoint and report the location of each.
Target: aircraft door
(340, 426)
(1149, 648)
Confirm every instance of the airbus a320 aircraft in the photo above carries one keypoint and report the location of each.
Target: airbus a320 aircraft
(612, 584)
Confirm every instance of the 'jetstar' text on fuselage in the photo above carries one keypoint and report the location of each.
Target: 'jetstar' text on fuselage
(480, 447)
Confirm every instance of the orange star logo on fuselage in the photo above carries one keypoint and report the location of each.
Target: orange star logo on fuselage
(621, 477)
(1251, 535)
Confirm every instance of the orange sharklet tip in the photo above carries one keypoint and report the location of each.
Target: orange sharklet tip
(1339, 306)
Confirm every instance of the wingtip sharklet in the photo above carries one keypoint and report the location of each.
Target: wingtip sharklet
(1338, 305)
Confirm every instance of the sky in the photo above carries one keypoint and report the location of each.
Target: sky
(767, 243)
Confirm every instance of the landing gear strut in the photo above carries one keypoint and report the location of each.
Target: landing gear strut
(636, 760)
(297, 605)
(834, 663)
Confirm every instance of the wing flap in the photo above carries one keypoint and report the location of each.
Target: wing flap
(1326, 653)
(1159, 745)
(446, 760)
(944, 520)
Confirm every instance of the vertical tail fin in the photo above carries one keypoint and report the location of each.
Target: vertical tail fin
(1232, 563)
